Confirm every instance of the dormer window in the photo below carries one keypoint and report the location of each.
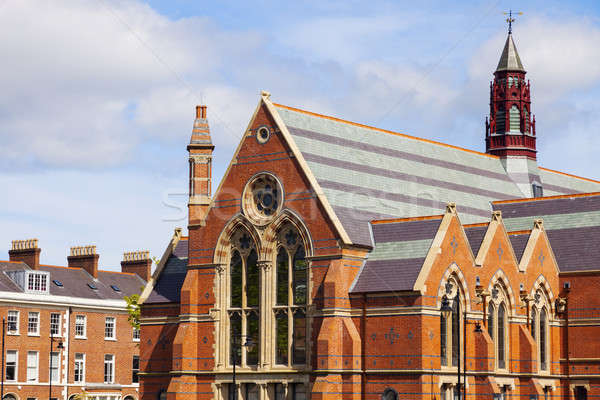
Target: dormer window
(37, 282)
(31, 281)
(538, 190)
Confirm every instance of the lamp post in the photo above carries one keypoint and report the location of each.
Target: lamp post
(248, 343)
(447, 312)
(58, 347)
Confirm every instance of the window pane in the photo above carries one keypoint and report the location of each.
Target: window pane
(252, 336)
(12, 322)
(279, 392)
(282, 277)
(235, 271)
(455, 333)
(251, 391)
(543, 339)
(300, 270)
(533, 322)
(281, 352)
(55, 324)
(252, 278)
(235, 322)
(298, 391)
(135, 369)
(299, 338)
(443, 338)
(54, 361)
(514, 119)
(490, 321)
(501, 336)
(11, 365)
(32, 366)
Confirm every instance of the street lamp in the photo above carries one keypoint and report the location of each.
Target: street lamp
(249, 343)
(58, 347)
(447, 311)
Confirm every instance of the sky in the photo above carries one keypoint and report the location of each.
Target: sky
(98, 96)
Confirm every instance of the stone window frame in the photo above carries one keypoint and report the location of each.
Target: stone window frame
(541, 296)
(500, 299)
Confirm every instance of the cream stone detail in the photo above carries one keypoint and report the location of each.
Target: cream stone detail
(262, 198)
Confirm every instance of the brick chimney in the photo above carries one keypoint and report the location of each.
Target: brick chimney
(200, 157)
(84, 257)
(26, 251)
(137, 262)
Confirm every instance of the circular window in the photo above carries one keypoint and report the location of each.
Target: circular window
(262, 198)
(263, 134)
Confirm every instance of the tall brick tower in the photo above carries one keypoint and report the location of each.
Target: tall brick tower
(511, 128)
(200, 150)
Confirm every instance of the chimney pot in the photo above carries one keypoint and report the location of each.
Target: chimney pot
(84, 257)
(26, 251)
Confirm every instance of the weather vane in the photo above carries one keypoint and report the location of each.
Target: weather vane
(510, 19)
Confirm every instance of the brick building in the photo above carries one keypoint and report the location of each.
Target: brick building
(69, 324)
(341, 261)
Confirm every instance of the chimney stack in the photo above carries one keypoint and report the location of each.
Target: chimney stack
(137, 262)
(84, 257)
(26, 251)
(200, 156)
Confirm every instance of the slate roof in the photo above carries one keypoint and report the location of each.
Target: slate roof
(368, 173)
(572, 224)
(75, 282)
(168, 286)
(519, 242)
(475, 235)
(509, 59)
(400, 250)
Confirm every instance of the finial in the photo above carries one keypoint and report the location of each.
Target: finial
(510, 19)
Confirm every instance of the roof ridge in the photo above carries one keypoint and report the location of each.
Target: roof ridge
(559, 196)
(570, 175)
(13, 262)
(406, 219)
(476, 225)
(522, 232)
(385, 130)
(116, 272)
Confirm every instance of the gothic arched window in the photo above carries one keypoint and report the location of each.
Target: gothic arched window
(543, 339)
(244, 299)
(449, 327)
(497, 323)
(291, 278)
(501, 338)
(540, 328)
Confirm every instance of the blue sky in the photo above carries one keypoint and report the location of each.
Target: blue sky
(98, 95)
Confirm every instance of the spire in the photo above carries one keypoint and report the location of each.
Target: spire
(510, 60)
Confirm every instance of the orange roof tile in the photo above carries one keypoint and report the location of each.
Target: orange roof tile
(570, 175)
(523, 232)
(393, 220)
(560, 196)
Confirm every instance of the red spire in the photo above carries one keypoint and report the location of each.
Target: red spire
(510, 131)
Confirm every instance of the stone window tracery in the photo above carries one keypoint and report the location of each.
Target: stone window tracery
(244, 301)
(262, 198)
(449, 335)
(540, 328)
(497, 321)
(289, 310)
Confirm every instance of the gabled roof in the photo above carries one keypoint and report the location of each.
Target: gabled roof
(368, 173)
(401, 247)
(167, 288)
(75, 282)
(572, 223)
(509, 59)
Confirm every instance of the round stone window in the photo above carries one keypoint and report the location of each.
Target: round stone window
(262, 198)
(263, 134)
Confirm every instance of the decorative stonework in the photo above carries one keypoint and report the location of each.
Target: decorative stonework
(262, 198)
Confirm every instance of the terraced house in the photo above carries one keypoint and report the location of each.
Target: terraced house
(67, 332)
(341, 261)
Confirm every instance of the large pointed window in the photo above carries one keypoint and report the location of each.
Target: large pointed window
(497, 324)
(244, 293)
(289, 310)
(449, 328)
(540, 328)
